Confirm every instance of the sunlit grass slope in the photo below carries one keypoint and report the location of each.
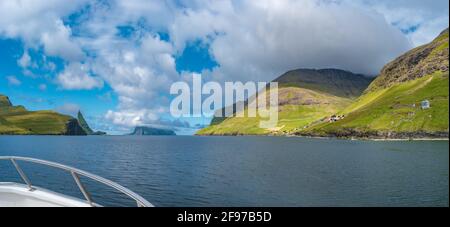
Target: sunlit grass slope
(17, 120)
(305, 96)
(394, 110)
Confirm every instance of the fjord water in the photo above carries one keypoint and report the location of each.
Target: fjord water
(241, 171)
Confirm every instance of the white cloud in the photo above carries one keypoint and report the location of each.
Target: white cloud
(259, 40)
(68, 109)
(427, 18)
(25, 60)
(137, 73)
(132, 118)
(39, 23)
(13, 81)
(58, 42)
(428, 30)
(76, 76)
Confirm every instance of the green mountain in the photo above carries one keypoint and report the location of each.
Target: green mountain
(305, 96)
(17, 120)
(391, 107)
(150, 131)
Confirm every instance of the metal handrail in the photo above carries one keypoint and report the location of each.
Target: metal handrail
(141, 202)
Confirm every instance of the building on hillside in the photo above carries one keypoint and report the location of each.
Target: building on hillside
(335, 118)
(425, 104)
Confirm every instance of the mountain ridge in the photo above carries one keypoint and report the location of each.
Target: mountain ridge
(302, 100)
(336, 82)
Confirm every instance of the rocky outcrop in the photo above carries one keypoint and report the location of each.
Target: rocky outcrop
(73, 128)
(84, 124)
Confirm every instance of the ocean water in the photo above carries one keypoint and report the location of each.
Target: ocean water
(240, 171)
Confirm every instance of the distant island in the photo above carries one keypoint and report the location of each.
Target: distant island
(151, 131)
(408, 100)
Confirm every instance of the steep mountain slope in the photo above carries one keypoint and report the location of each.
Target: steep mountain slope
(392, 105)
(84, 124)
(416, 63)
(305, 96)
(18, 120)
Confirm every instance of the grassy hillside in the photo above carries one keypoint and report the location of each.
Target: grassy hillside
(394, 112)
(305, 96)
(16, 120)
(391, 106)
(295, 113)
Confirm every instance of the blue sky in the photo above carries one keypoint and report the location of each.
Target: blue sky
(116, 60)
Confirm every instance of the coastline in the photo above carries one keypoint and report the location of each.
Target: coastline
(354, 138)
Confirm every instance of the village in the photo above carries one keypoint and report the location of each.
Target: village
(425, 104)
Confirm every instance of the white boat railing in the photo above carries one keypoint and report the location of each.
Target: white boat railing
(76, 173)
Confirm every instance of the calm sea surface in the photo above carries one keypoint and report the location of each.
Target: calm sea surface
(241, 171)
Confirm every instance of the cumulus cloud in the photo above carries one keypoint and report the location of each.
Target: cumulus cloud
(138, 73)
(68, 109)
(13, 81)
(132, 118)
(76, 76)
(58, 42)
(421, 20)
(39, 23)
(259, 40)
(25, 60)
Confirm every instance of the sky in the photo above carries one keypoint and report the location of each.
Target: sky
(115, 60)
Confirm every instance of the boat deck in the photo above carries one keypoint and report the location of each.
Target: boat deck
(19, 195)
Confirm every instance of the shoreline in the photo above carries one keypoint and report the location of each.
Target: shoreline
(271, 135)
(335, 137)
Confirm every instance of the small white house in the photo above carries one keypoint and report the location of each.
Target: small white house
(425, 104)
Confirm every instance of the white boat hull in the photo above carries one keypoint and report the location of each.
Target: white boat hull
(19, 195)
